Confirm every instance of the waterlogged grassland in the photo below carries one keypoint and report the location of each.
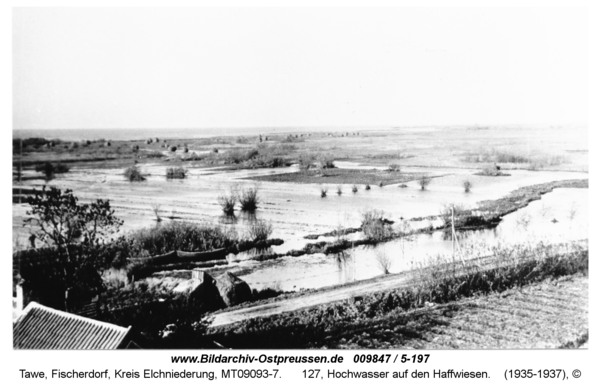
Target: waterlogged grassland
(334, 176)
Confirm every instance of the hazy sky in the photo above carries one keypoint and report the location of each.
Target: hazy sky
(207, 67)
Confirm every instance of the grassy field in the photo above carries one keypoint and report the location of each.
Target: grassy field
(333, 176)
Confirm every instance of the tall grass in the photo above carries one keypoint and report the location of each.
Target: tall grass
(394, 167)
(495, 156)
(263, 156)
(227, 201)
(500, 156)
(249, 198)
(260, 230)
(374, 225)
(306, 161)
(167, 237)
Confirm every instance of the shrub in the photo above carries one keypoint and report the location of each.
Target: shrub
(135, 148)
(173, 148)
(291, 139)
(339, 190)
(460, 212)
(215, 150)
(306, 161)
(354, 188)
(50, 169)
(184, 236)
(227, 202)
(324, 192)
(367, 187)
(381, 184)
(186, 150)
(394, 167)
(374, 225)
(265, 161)
(424, 181)
(491, 170)
(134, 174)
(326, 161)
(249, 198)
(467, 185)
(260, 230)
(154, 154)
(176, 173)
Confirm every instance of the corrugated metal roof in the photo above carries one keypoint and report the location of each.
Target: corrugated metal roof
(41, 327)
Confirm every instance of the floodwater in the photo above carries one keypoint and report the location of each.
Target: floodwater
(560, 216)
(294, 209)
(297, 210)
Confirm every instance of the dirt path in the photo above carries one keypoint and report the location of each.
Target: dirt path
(320, 297)
(331, 295)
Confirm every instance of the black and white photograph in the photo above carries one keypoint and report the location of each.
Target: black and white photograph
(293, 178)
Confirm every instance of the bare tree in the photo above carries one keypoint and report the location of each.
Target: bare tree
(384, 262)
(424, 181)
(156, 209)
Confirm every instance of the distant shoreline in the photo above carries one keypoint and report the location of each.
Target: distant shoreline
(136, 134)
(175, 133)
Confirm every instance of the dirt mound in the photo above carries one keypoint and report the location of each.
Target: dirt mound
(233, 290)
(203, 292)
